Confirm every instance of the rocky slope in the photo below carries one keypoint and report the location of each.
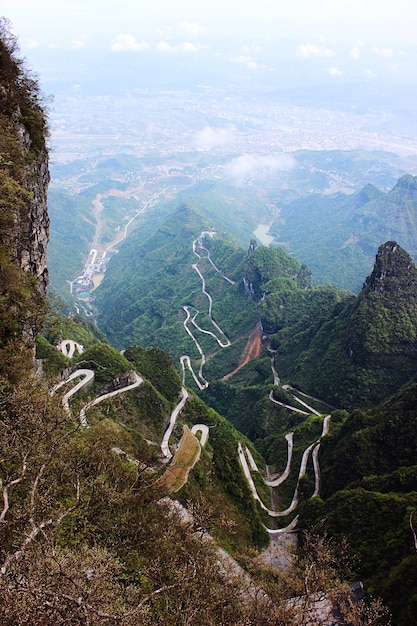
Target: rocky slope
(23, 125)
(368, 347)
(24, 222)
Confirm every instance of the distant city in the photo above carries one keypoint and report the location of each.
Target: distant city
(167, 123)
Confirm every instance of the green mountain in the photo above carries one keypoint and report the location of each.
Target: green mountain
(360, 354)
(124, 495)
(148, 284)
(367, 349)
(369, 494)
(89, 530)
(73, 230)
(336, 235)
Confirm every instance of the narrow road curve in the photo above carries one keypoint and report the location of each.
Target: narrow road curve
(221, 337)
(210, 308)
(317, 475)
(137, 380)
(229, 280)
(305, 405)
(248, 464)
(204, 430)
(186, 362)
(306, 395)
(275, 482)
(87, 378)
(286, 406)
(288, 529)
(326, 425)
(68, 347)
(277, 380)
(165, 440)
(222, 344)
(255, 494)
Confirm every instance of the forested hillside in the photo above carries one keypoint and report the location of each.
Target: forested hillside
(367, 349)
(336, 235)
(153, 485)
(151, 285)
(369, 494)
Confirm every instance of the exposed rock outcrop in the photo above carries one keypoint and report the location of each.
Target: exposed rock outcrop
(394, 270)
(24, 221)
(34, 224)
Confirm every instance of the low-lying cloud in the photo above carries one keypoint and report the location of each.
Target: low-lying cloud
(210, 137)
(307, 50)
(335, 71)
(254, 166)
(247, 60)
(128, 42)
(192, 28)
(186, 46)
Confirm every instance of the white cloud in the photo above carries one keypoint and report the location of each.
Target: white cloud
(33, 43)
(249, 166)
(254, 48)
(186, 46)
(355, 53)
(335, 71)
(247, 60)
(370, 74)
(81, 42)
(242, 59)
(192, 28)
(307, 50)
(126, 41)
(385, 53)
(210, 137)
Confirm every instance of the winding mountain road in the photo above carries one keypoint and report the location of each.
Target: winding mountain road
(87, 378)
(278, 480)
(137, 380)
(219, 336)
(204, 430)
(229, 280)
(173, 419)
(249, 465)
(286, 406)
(68, 347)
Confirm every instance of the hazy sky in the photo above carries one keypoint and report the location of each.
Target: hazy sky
(140, 23)
(305, 41)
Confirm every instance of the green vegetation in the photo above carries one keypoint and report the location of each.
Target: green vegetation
(73, 228)
(156, 365)
(105, 360)
(150, 287)
(21, 302)
(187, 455)
(368, 342)
(337, 235)
(369, 470)
(85, 535)
(53, 361)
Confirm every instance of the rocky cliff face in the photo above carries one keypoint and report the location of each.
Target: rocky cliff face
(33, 223)
(24, 221)
(367, 350)
(23, 162)
(394, 270)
